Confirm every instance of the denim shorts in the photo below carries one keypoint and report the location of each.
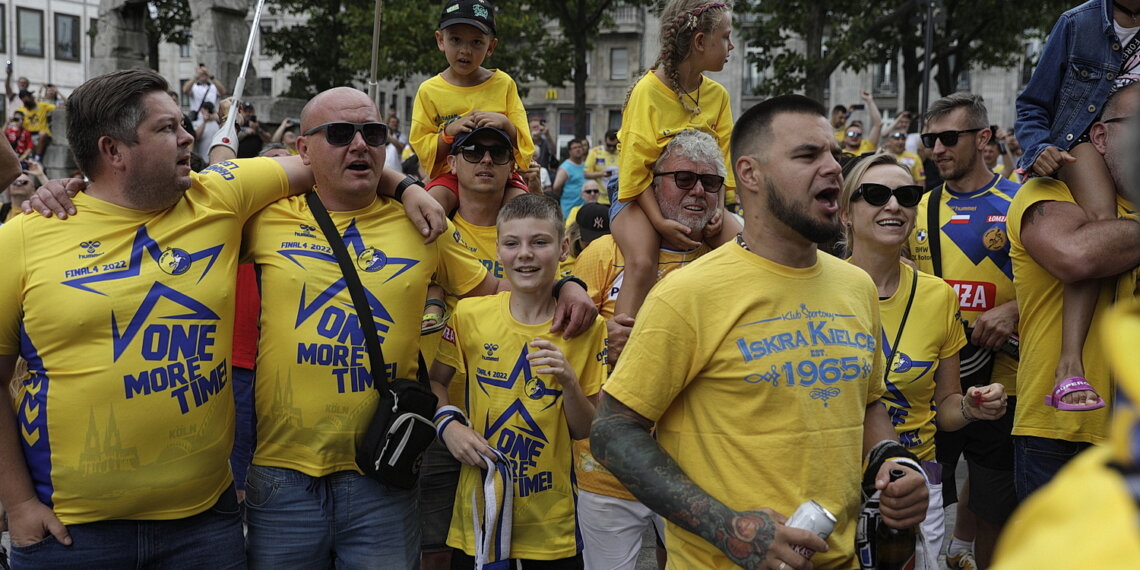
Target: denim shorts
(1037, 459)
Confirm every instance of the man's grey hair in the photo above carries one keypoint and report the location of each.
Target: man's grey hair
(976, 115)
(697, 146)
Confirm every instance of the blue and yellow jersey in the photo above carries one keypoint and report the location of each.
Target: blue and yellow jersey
(314, 393)
(126, 320)
(520, 413)
(975, 254)
(931, 332)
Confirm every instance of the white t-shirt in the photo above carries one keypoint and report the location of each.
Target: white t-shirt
(1130, 71)
(199, 92)
(392, 158)
(202, 144)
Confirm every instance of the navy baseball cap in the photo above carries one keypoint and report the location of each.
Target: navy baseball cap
(461, 138)
(593, 221)
(478, 13)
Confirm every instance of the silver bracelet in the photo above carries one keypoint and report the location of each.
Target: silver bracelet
(966, 413)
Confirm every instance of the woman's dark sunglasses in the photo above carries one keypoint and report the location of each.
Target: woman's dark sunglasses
(878, 194)
(686, 179)
(473, 153)
(948, 138)
(340, 134)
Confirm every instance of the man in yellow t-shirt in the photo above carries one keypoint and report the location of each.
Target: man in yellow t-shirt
(314, 392)
(37, 119)
(895, 145)
(765, 388)
(1054, 243)
(125, 316)
(604, 158)
(971, 236)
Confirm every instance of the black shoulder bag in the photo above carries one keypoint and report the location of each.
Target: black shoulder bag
(394, 443)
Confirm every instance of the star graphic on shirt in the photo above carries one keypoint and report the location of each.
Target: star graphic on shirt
(142, 248)
(534, 387)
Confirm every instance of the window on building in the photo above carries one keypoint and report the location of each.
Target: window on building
(183, 98)
(67, 46)
(963, 81)
(383, 100)
(615, 119)
(566, 122)
(407, 120)
(92, 31)
(619, 63)
(885, 81)
(184, 51)
(754, 76)
(3, 28)
(266, 85)
(30, 32)
(265, 30)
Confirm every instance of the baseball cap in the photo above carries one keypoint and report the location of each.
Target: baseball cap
(478, 13)
(24, 93)
(461, 138)
(593, 221)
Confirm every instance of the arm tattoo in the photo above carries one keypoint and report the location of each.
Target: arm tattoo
(620, 440)
(1035, 213)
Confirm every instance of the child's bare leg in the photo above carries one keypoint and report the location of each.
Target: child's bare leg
(640, 245)
(1092, 187)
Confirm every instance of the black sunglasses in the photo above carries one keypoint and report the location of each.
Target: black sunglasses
(341, 133)
(686, 179)
(878, 194)
(592, 191)
(474, 153)
(948, 138)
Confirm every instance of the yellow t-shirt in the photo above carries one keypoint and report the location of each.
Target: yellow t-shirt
(651, 118)
(1039, 297)
(601, 265)
(314, 394)
(932, 332)
(975, 255)
(439, 102)
(126, 320)
(520, 413)
(913, 163)
(759, 387)
(601, 160)
(38, 120)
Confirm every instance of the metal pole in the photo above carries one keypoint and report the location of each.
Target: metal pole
(240, 87)
(928, 47)
(373, 83)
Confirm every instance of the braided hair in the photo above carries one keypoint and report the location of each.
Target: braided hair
(680, 20)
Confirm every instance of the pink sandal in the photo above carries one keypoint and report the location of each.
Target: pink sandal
(1068, 386)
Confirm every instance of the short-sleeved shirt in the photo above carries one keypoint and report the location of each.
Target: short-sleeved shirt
(314, 393)
(125, 318)
(974, 243)
(572, 189)
(931, 332)
(759, 387)
(601, 160)
(37, 120)
(439, 102)
(520, 412)
(1040, 299)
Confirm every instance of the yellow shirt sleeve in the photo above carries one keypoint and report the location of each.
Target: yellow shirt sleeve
(12, 243)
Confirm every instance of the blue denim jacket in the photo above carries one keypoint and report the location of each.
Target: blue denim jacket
(1071, 83)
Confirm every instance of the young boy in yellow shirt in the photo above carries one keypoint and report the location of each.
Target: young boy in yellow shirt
(466, 96)
(529, 393)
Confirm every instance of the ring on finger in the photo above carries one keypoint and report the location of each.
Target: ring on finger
(782, 565)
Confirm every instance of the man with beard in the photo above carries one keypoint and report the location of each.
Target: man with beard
(761, 375)
(964, 241)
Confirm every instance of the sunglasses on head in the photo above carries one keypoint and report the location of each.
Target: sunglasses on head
(474, 153)
(854, 134)
(342, 133)
(877, 194)
(948, 138)
(686, 179)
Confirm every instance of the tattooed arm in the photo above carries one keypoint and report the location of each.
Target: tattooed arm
(1059, 237)
(621, 440)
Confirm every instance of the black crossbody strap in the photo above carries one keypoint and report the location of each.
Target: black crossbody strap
(902, 324)
(933, 231)
(352, 280)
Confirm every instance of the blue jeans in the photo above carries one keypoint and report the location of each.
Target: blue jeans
(344, 520)
(211, 539)
(1037, 459)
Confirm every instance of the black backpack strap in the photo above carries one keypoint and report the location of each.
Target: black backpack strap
(933, 230)
(352, 280)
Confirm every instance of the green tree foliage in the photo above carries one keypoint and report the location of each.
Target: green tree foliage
(334, 47)
(166, 21)
(801, 42)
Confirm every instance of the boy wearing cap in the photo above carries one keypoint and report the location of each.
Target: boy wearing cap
(466, 96)
(37, 117)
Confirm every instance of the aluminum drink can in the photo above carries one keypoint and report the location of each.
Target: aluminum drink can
(812, 517)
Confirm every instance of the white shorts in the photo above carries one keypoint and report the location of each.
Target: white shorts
(612, 529)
